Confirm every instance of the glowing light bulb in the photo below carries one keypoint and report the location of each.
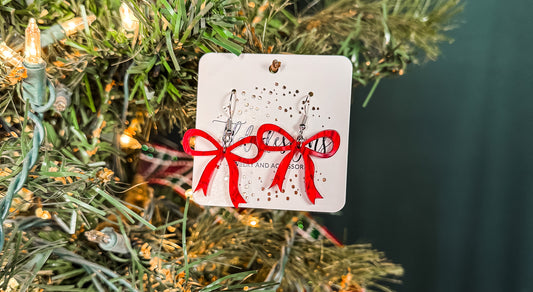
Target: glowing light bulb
(8, 56)
(33, 43)
(252, 221)
(127, 142)
(129, 21)
(76, 24)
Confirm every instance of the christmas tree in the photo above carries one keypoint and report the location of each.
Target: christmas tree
(96, 197)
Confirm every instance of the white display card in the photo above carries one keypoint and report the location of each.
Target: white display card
(274, 98)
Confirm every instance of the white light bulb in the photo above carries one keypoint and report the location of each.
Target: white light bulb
(33, 43)
(129, 21)
(8, 56)
(76, 24)
(125, 139)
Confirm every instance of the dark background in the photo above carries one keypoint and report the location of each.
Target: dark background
(441, 160)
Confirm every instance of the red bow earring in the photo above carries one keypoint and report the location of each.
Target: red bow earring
(221, 152)
(299, 145)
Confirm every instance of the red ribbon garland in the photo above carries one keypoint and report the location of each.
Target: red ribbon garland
(220, 153)
(297, 147)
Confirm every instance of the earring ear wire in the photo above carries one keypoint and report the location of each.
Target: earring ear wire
(228, 130)
(302, 126)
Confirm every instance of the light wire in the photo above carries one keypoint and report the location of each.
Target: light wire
(31, 158)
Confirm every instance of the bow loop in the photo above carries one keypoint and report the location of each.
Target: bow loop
(220, 154)
(332, 135)
(307, 153)
(292, 143)
(248, 140)
(186, 142)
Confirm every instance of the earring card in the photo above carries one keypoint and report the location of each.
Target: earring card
(325, 82)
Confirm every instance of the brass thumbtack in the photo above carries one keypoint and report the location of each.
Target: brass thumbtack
(275, 66)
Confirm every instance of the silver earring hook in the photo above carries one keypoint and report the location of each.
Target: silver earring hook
(303, 123)
(228, 130)
(232, 102)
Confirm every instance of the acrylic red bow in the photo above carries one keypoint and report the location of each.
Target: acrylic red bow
(298, 147)
(221, 153)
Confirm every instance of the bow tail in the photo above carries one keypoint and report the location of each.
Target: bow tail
(205, 179)
(310, 188)
(279, 177)
(234, 193)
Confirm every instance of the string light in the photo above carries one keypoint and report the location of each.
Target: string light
(252, 221)
(127, 141)
(108, 240)
(97, 236)
(34, 92)
(76, 24)
(63, 98)
(129, 21)
(33, 43)
(8, 56)
(62, 30)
